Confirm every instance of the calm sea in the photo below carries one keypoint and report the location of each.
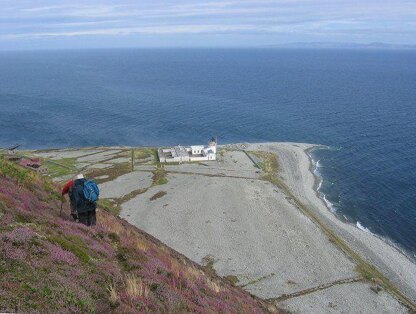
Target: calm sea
(361, 104)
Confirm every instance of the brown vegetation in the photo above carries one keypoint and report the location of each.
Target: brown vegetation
(158, 195)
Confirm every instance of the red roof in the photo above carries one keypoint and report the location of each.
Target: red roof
(30, 162)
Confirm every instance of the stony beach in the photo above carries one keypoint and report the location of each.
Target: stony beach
(254, 217)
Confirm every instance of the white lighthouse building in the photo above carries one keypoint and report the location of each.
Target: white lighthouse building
(192, 153)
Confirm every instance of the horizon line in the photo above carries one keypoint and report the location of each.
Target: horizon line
(290, 45)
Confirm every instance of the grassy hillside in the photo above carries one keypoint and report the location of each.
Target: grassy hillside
(50, 264)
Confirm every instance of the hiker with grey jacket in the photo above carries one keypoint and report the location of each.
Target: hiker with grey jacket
(83, 195)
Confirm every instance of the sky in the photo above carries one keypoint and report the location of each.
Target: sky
(54, 24)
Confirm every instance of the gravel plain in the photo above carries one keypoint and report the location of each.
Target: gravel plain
(125, 184)
(246, 234)
(224, 215)
(296, 172)
(346, 298)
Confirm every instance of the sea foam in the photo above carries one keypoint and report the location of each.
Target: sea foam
(316, 166)
(361, 227)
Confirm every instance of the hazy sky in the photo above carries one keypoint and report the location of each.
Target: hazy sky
(40, 24)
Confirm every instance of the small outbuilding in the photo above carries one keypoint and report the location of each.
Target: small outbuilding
(33, 164)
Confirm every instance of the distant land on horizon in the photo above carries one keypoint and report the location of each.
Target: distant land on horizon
(345, 45)
(300, 45)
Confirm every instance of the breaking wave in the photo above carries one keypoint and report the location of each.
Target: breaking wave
(361, 227)
(316, 171)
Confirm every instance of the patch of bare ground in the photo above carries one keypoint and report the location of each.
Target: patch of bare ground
(111, 172)
(114, 204)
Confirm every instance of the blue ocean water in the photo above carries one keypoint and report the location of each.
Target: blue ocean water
(361, 104)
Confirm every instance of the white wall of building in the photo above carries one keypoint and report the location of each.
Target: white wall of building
(195, 151)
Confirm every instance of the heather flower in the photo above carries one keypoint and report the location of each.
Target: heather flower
(111, 269)
(102, 248)
(19, 235)
(62, 256)
(160, 279)
(13, 252)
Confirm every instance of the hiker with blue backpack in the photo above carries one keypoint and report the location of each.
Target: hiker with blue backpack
(83, 196)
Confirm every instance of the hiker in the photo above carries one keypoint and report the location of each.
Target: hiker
(83, 196)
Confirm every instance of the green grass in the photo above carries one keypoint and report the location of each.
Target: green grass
(49, 186)
(61, 167)
(23, 176)
(232, 279)
(269, 164)
(22, 219)
(33, 294)
(159, 177)
(112, 172)
(144, 153)
(72, 244)
(27, 177)
(109, 205)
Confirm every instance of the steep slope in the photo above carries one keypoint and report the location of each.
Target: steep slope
(50, 264)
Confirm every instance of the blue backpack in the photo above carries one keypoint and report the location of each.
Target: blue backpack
(91, 191)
